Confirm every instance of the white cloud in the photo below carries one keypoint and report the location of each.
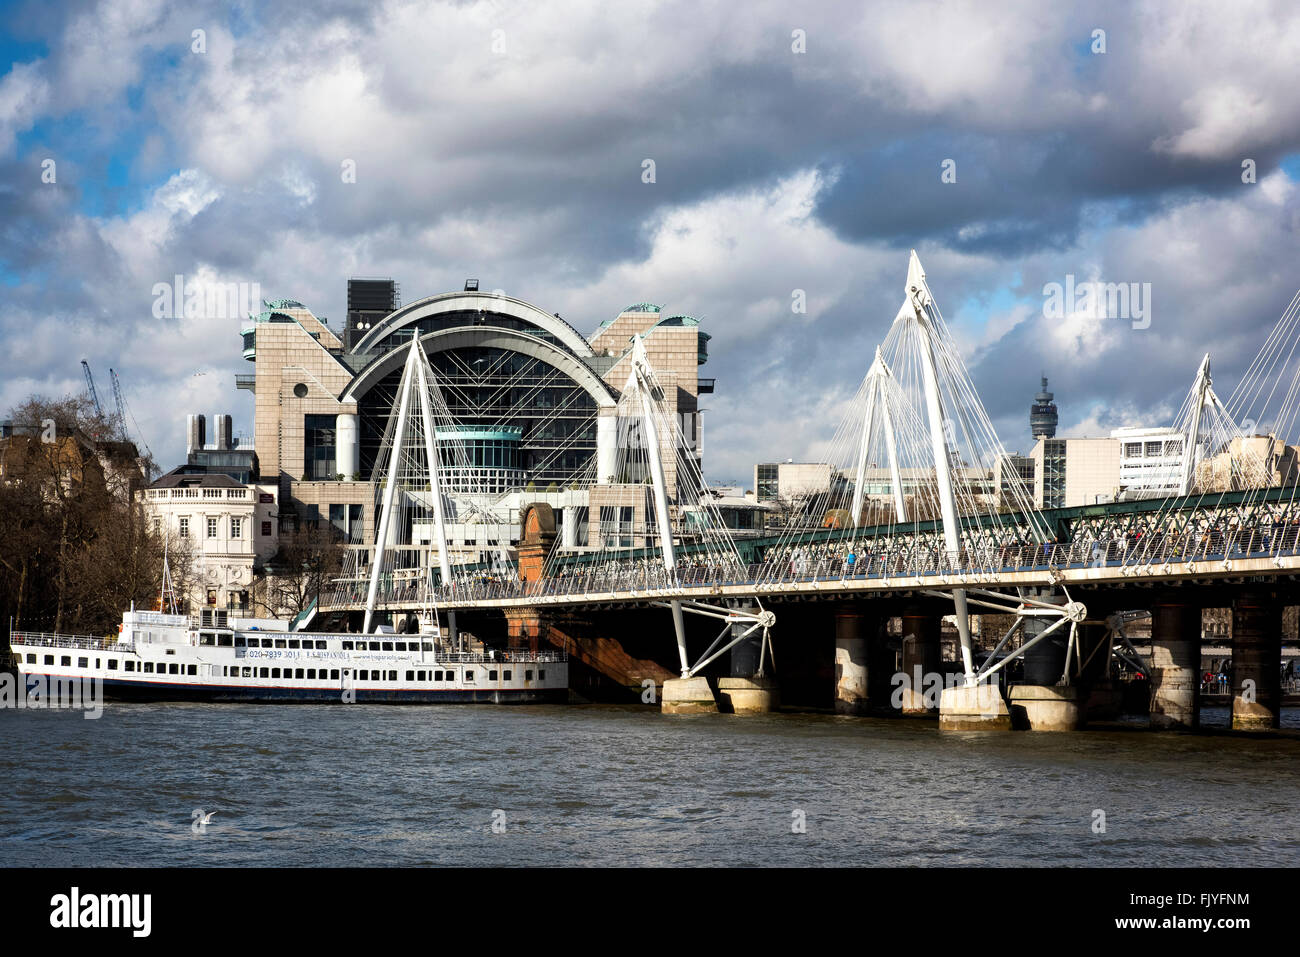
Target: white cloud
(24, 94)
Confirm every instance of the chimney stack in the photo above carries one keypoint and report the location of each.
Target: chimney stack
(221, 432)
(195, 433)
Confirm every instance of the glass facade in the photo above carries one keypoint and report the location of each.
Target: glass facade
(490, 390)
(319, 447)
(480, 448)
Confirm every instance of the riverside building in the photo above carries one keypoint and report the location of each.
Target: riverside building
(534, 402)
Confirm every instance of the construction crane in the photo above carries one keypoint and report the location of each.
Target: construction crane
(123, 411)
(90, 387)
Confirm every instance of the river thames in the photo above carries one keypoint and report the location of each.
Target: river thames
(482, 785)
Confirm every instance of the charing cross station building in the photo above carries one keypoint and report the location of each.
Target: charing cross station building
(534, 402)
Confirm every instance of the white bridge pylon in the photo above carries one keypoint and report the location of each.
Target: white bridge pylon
(941, 414)
(417, 381)
(881, 401)
(1208, 428)
(643, 393)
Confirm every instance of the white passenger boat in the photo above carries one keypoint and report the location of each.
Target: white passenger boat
(164, 657)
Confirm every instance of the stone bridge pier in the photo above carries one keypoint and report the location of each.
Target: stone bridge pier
(1256, 661)
(1175, 664)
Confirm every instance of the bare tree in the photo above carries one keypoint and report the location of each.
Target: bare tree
(308, 559)
(75, 551)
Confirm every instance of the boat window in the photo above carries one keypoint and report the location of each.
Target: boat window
(437, 676)
(311, 674)
(541, 674)
(528, 674)
(254, 642)
(192, 670)
(239, 641)
(505, 675)
(388, 646)
(225, 641)
(264, 672)
(399, 646)
(297, 673)
(148, 667)
(279, 643)
(320, 645)
(392, 676)
(65, 661)
(469, 674)
(492, 675)
(49, 659)
(130, 665)
(112, 664)
(83, 663)
(293, 643)
(376, 646)
(428, 646)
(363, 675)
(334, 673)
(422, 676)
(347, 646)
(173, 669)
(31, 659)
(275, 672)
(207, 638)
(248, 672)
(410, 676)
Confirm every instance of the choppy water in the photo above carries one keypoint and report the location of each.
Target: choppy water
(335, 785)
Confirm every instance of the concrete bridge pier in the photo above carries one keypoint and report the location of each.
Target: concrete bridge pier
(852, 668)
(1040, 703)
(1256, 661)
(746, 691)
(920, 658)
(688, 696)
(1175, 665)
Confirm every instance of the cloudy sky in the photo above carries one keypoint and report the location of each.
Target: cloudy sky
(796, 147)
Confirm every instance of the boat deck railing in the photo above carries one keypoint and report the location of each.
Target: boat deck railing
(502, 658)
(84, 642)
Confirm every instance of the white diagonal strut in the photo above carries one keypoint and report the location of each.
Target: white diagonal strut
(432, 463)
(1200, 388)
(921, 303)
(394, 458)
(878, 379)
(642, 379)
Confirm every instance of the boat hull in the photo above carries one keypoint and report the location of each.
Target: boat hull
(154, 691)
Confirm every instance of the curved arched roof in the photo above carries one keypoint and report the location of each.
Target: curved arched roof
(480, 301)
(490, 337)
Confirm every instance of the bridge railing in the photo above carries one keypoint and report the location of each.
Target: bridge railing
(1211, 537)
